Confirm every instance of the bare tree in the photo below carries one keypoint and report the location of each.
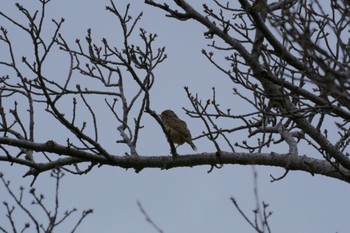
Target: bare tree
(284, 53)
(288, 59)
(35, 222)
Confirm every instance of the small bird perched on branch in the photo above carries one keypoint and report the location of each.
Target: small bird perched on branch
(176, 128)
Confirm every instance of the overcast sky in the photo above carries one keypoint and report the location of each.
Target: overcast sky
(181, 199)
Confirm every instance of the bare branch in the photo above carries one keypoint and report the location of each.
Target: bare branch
(148, 219)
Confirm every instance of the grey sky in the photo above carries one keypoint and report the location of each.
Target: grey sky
(178, 200)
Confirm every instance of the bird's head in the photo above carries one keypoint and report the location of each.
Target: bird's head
(168, 113)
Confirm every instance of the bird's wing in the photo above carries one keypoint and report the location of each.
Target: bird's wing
(178, 125)
(183, 129)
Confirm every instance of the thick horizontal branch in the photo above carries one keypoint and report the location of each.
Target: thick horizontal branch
(287, 161)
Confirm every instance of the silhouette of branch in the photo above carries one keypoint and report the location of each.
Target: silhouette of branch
(148, 219)
(40, 225)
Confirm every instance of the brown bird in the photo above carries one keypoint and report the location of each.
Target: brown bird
(177, 129)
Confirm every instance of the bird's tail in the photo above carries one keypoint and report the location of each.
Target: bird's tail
(193, 146)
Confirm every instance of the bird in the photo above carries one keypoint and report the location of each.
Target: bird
(176, 128)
